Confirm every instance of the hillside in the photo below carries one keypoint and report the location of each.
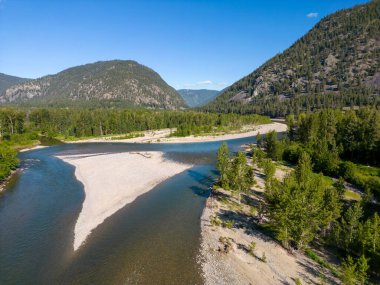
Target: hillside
(336, 64)
(195, 98)
(7, 81)
(109, 83)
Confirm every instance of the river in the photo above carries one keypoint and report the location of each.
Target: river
(153, 240)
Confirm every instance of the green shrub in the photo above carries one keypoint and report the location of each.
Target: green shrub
(264, 258)
(215, 221)
(252, 248)
(253, 211)
(292, 153)
(229, 224)
(8, 160)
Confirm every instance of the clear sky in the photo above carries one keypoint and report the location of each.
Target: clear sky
(191, 44)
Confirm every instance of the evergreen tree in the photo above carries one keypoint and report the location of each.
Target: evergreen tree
(297, 207)
(273, 147)
(350, 225)
(340, 188)
(362, 269)
(259, 139)
(223, 165)
(240, 174)
(349, 276)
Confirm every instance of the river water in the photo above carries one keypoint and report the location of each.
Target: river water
(153, 240)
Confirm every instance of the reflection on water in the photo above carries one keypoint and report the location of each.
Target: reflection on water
(154, 240)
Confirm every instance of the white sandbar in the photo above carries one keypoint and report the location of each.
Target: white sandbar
(113, 180)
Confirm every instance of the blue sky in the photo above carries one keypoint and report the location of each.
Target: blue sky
(191, 44)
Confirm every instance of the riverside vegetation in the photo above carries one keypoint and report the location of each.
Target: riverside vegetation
(20, 128)
(306, 210)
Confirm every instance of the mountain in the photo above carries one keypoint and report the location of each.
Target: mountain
(195, 98)
(114, 83)
(7, 81)
(336, 64)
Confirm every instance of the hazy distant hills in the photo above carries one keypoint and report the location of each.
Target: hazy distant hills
(336, 63)
(195, 98)
(8, 80)
(105, 83)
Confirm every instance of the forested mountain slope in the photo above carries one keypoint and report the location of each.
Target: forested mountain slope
(195, 98)
(107, 83)
(337, 63)
(8, 80)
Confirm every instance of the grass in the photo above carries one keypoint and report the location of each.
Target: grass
(231, 204)
(205, 130)
(228, 224)
(368, 170)
(366, 177)
(215, 221)
(312, 255)
(264, 258)
(282, 166)
(20, 141)
(351, 195)
(252, 248)
(223, 200)
(253, 211)
(327, 180)
(128, 136)
(111, 136)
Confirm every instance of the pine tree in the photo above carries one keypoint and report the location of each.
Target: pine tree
(259, 139)
(223, 165)
(349, 271)
(362, 268)
(300, 206)
(350, 225)
(240, 174)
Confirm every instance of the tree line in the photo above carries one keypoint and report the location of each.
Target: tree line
(99, 122)
(281, 106)
(340, 144)
(305, 208)
(21, 127)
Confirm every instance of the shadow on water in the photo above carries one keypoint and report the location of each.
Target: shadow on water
(153, 240)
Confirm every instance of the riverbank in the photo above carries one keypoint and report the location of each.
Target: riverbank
(228, 230)
(164, 135)
(113, 180)
(33, 148)
(3, 183)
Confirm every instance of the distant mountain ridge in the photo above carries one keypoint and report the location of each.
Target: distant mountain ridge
(123, 83)
(336, 63)
(196, 98)
(7, 81)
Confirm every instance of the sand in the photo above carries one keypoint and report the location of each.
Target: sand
(162, 136)
(240, 267)
(113, 180)
(33, 148)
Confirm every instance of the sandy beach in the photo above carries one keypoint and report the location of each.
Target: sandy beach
(239, 267)
(162, 136)
(33, 148)
(113, 180)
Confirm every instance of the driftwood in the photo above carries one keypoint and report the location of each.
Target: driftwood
(146, 155)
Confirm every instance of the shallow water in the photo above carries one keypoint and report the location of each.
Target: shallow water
(153, 240)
